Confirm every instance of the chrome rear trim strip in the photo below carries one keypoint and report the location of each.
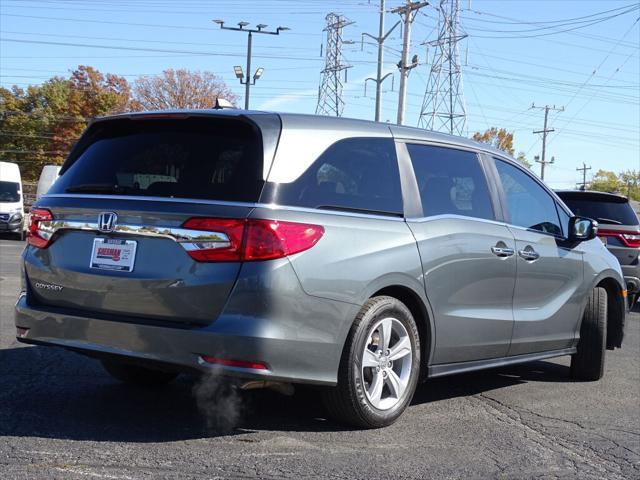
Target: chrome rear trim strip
(184, 236)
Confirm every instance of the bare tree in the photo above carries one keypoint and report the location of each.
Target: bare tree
(180, 88)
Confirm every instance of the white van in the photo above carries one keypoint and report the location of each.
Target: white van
(11, 200)
(48, 176)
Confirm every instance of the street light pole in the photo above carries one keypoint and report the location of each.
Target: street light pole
(247, 81)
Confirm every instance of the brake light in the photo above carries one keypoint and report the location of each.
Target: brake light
(207, 251)
(36, 235)
(251, 239)
(631, 240)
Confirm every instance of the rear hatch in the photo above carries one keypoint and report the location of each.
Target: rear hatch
(126, 230)
(619, 228)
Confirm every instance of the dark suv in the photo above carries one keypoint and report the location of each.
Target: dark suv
(619, 230)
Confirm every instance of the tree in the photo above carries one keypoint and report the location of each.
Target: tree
(630, 180)
(502, 140)
(522, 158)
(605, 181)
(89, 94)
(39, 125)
(179, 89)
(24, 134)
(497, 138)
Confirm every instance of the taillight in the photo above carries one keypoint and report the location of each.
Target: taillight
(631, 240)
(250, 239)
(268, 239)
(227, 250)
(36, 235)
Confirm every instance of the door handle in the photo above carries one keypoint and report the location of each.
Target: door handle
(502, 251)
(529, 254)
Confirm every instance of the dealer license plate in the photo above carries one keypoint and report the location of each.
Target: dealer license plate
(113, 254)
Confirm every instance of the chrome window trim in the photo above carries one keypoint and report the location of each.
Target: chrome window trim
(453, 216)
(532, 230)
(269, 206)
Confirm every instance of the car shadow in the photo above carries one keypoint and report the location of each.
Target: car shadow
(52, 393)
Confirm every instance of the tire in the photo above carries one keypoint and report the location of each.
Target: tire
(587, 363)
(354, 401)
(137, 375)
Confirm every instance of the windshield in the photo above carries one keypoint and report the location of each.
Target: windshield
(215, 159)
(9, 192)
(614, 213)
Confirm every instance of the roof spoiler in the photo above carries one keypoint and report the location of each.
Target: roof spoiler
(221, 104)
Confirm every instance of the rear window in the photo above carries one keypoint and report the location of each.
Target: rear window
(203, 158)
(605, 212)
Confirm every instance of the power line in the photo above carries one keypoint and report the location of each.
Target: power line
(132, 24)
(587, 23)
(146, 49)
(542, 22)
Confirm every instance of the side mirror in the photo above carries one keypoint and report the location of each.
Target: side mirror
(582, 229)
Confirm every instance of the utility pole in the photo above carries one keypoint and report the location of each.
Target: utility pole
(443, 107)
(380, 39)
(260, 28)
(583, 185)
(408, 14)
(544, 132)
(330, 100)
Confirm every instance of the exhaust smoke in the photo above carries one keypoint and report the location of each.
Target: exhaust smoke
(219, 401)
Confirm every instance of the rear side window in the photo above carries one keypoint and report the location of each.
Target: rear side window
(529, 204)
(215, 159)
(605, 212)
(450, 182)
(354, 174)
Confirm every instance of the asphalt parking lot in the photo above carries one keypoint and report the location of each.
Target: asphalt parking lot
(62, 417)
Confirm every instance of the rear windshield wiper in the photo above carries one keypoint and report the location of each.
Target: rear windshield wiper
(609, 220)
(94, 188)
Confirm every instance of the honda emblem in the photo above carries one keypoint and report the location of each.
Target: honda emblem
(107, 221)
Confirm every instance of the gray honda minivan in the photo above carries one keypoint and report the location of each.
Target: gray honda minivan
(287, 249)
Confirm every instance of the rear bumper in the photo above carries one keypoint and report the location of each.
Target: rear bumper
(299, 337)
(632, 278)
(287, 359)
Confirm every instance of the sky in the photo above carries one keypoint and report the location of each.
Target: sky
(562, 53)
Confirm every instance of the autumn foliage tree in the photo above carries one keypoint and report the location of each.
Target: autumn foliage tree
(502, 140)
(90, 94)
(39, 124)
(180, 89)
